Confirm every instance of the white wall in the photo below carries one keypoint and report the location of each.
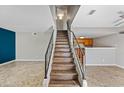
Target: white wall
(116, 40)
(100, 56)
(30, 47)
(110, 40)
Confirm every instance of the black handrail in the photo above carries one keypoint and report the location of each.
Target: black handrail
(48, 55)
(75, 38)
(82, 52)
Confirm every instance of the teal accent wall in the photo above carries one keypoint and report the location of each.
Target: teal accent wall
(7, 45)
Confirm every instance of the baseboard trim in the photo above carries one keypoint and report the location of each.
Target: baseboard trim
(42, 60)
(100, 64)
(105, 65)
(7, 62)
(120, 66)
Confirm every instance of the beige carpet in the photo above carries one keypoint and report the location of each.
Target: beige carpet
(31, 74)
(105, 76)
(22, 74)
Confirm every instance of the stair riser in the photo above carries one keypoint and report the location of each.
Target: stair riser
(62, 60)
(63, 85)
(62, 50)
(63, 67)
(62, 40)
(63, 77)
(64, 37)
(62, 43)
(63, 54)
(66, 46)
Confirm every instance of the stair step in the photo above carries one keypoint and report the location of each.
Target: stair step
(65, 32)
(64, 46)
(62, 54)
(62, 40)
(62, 43)
(61, 37)
(63, 66)
(63, 60)
(64, 83)
(62, 50)
(63, 74)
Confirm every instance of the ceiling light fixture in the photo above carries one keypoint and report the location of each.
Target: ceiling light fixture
(60, 16)
(81, 37)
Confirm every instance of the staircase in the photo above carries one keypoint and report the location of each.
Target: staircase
(63, 72)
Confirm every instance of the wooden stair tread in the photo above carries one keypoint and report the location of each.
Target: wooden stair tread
(63, 66)
(62, 54)
(64, 83)
(61, 43)
(59, 39)
(62, 50)
(62, 63)
(61, 72)
(59, 59)
(62, 46)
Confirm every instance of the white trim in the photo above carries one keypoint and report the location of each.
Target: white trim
(7, 62)
(43, 60)
(100, 64)
(120, 66)
(106, 65)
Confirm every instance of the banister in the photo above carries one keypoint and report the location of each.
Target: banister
(82, 68)
(46, 54)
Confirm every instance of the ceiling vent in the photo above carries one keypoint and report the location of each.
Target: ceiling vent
(122, 32)
(91, 12)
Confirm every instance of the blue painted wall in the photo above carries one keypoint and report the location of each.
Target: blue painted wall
(7, 45)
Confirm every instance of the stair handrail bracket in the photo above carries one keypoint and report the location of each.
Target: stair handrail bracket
(80, 67)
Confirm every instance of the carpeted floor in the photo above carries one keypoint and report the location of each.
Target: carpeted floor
(105, 76)
(31, 74)
(22, 74)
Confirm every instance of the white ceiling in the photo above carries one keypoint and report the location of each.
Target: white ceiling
(100, 23)
(104, 16)
(25, 18)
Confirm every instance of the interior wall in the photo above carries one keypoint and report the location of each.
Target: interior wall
(100, 56)
(110, 40)
(117, 41)
(32, 47)
(7, 45)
